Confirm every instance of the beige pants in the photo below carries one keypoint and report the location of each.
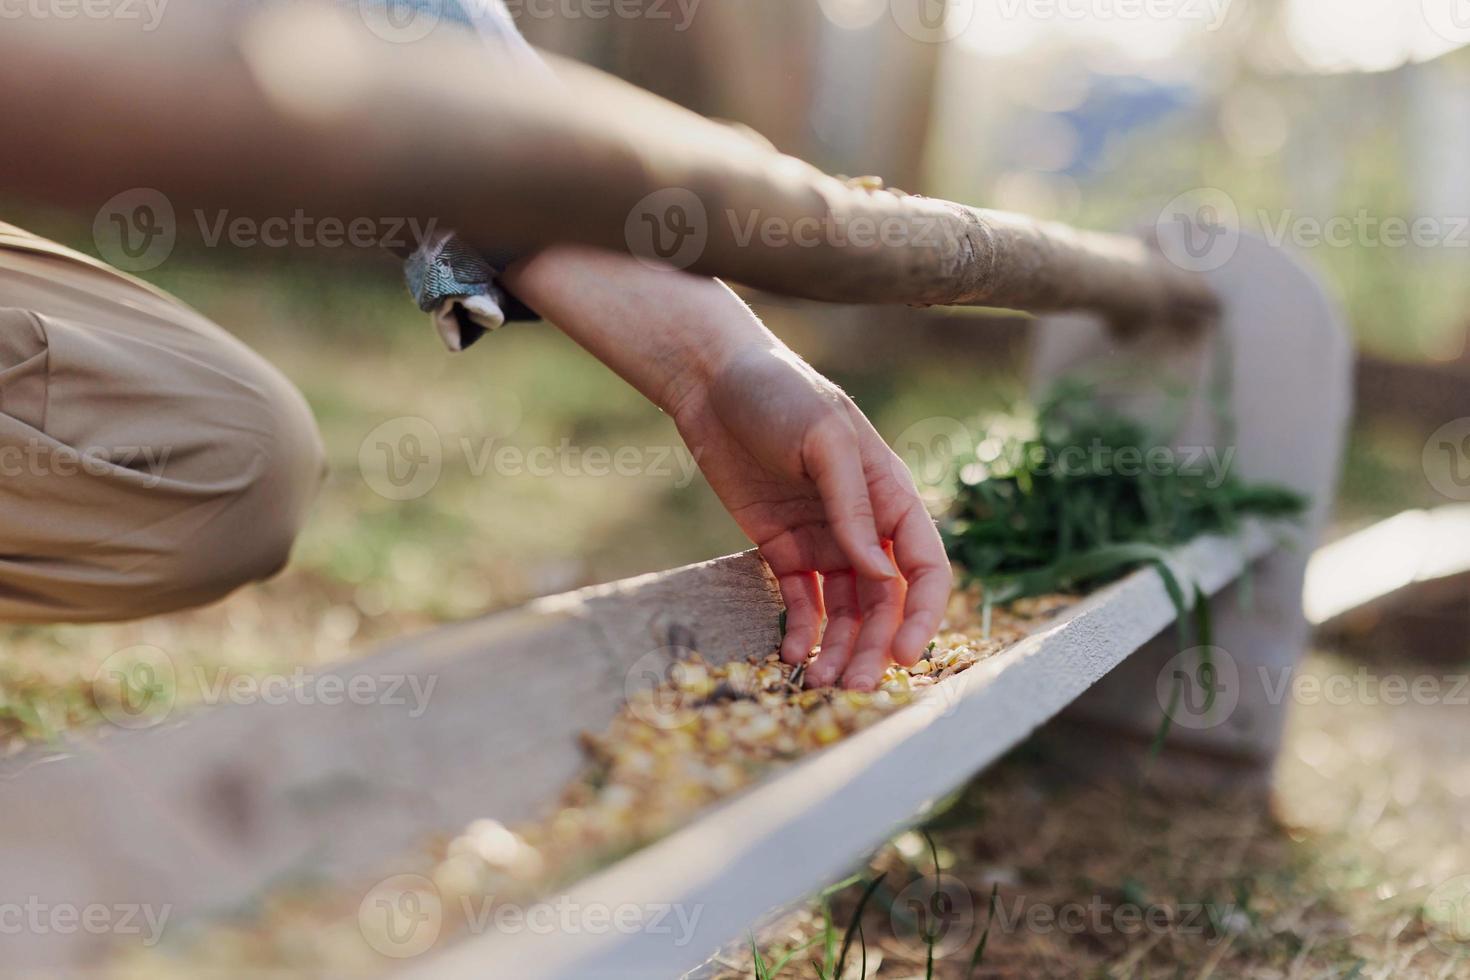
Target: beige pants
(148, 460)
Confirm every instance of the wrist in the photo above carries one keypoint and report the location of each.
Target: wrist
(695, 372)
(715, 331)
(669, 334)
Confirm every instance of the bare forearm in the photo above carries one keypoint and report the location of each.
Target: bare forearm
(666, 333)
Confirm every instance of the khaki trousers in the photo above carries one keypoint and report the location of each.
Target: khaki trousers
(148, 460)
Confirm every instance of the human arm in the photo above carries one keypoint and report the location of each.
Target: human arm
(798, 466)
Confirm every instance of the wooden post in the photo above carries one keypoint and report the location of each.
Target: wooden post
(1289, 369)
(267, 112)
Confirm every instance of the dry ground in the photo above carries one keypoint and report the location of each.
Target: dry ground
(1358, 867)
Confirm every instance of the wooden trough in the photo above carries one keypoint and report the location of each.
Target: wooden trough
(203, 813)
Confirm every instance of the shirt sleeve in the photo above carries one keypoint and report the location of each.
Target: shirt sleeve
(493, 22)
(488, 18)
(456, 285)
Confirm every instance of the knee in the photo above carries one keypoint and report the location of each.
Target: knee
(265, 469)
(158, 472)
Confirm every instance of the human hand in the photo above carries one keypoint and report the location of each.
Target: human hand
(830, 507)
(792, 458)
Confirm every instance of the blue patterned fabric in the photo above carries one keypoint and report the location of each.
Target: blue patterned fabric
(489, 17)
(450, 269)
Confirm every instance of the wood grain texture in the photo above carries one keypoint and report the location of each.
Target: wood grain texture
(202, 812)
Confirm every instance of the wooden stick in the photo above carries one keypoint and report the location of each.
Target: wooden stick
(264, 113)
(1386, 560)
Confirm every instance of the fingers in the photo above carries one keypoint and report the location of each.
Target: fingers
(926, 568)
(803, 615)
(808, 548)
(889, 604)
(833, 460)
(839, 590)
(882, 610)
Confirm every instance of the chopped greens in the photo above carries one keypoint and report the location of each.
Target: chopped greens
(1079, 494)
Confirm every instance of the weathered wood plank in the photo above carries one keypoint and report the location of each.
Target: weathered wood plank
(194, 822)
(807, 825)
(1280, 360)
(203, 812)
(1386, 559)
